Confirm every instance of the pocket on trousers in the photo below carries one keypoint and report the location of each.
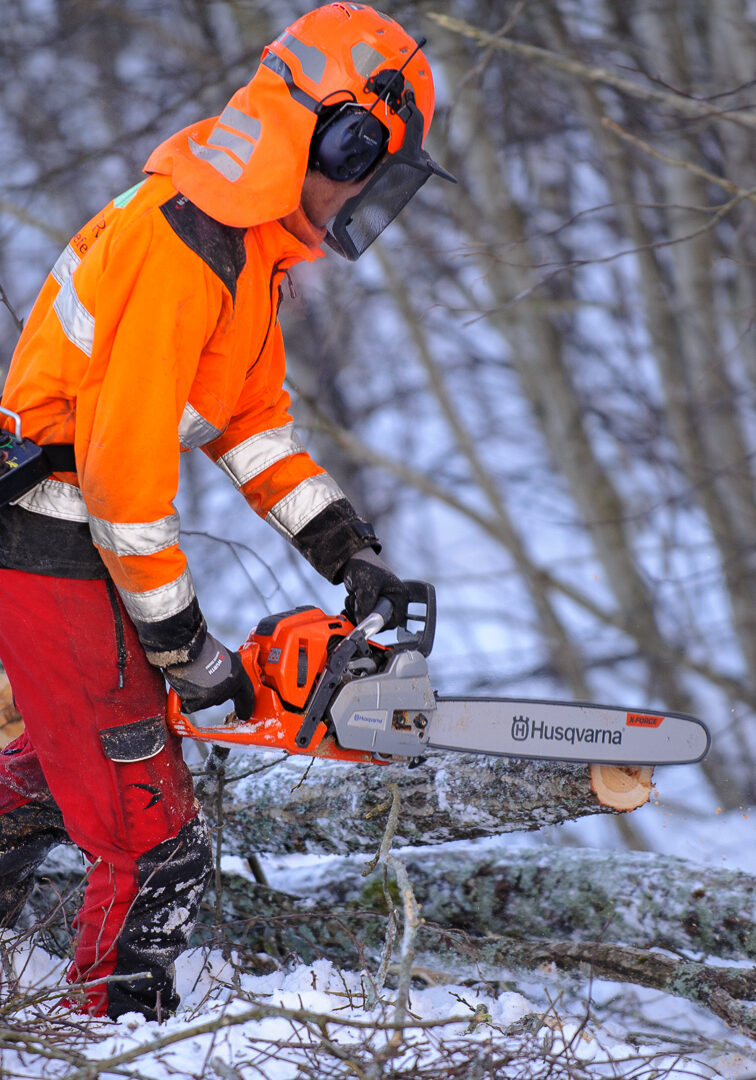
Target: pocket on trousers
(137, 741)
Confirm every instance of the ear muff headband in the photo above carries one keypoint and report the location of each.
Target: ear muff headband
(347, 143)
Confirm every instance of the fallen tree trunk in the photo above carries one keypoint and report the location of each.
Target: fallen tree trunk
(319, 806)
(259, 920)
(728, 992)
(639, 899)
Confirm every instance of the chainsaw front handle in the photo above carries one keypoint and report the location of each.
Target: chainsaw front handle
(376, 620)
(422, 595)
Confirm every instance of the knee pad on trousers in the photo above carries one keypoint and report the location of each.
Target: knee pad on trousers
(172, 880)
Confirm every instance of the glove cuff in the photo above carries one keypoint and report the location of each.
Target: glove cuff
(175, 640)
(330, 539)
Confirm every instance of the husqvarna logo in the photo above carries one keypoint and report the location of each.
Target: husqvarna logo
(523, 729)
(520, 728)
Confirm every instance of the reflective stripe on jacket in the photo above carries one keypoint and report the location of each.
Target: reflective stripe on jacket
(157, 331)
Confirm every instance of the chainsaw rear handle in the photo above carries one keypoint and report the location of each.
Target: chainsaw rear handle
(173, 709)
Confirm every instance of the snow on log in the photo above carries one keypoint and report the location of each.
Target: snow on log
(320, 806)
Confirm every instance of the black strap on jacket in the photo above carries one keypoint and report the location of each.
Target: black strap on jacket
(61, 456)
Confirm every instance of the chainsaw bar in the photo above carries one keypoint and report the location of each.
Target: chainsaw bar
(566, 731)
(397, 714)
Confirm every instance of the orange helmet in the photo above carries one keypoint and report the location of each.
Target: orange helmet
(336, 53)
(373, 92)
(344, 81)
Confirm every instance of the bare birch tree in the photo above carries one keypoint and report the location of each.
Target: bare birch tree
(540, 383)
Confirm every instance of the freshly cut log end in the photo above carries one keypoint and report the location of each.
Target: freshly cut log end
(623, 787)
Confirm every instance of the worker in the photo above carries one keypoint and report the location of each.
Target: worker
(157, 332)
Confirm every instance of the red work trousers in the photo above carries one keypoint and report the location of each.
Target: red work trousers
(96, 749)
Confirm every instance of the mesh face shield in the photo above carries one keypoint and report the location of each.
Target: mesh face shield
(395, 181)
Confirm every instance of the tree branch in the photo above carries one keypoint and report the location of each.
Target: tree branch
(592, 74)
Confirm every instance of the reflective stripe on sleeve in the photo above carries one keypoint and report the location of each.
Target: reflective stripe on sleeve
(65, 265)
(136, 538)
(259, 452)
(160, 603)
(77, 323)
(304, 503)
(56, 499)
(194, 430)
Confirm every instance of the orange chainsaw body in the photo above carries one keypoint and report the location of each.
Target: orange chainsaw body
(284, 657)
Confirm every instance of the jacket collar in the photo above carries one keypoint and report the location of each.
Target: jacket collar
(299, 225)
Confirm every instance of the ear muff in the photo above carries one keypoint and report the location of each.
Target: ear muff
(347, 142)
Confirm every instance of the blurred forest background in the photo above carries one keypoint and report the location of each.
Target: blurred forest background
(539, 384)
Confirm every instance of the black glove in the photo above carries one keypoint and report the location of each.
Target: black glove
(213, 677)
(367, 578)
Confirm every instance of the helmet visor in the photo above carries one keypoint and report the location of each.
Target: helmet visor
(395, 181)
(365, 216)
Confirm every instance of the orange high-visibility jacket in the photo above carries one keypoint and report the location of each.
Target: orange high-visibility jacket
(157, 331)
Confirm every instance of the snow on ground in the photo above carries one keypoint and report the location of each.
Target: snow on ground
(233, 1025)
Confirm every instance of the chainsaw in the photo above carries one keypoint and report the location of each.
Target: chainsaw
(324, 688)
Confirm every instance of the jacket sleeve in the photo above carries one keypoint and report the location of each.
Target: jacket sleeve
(155, 306)
(268, 463)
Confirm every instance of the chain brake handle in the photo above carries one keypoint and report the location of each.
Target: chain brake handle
(420, 594)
